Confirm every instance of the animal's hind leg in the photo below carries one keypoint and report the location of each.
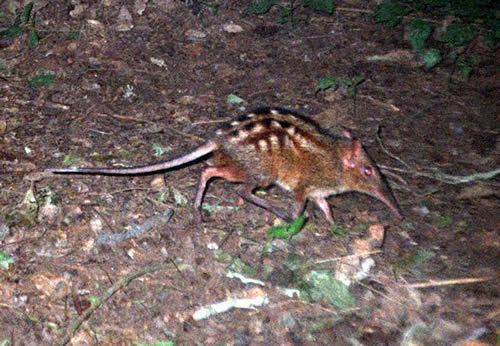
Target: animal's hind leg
(245, 192)
(229, 173)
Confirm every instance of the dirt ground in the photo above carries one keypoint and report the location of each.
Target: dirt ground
(145, 81)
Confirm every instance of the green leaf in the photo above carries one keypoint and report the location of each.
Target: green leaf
(164, 343)
(325, 6)
(443, 220)
(352, 84)
(26, 14)
(432, 57)
(5, 260)
(285, 15)
(33, 38)
(327, 83)
(390, 13)
(11, 32)
(239, 266)
(467, 65)
(337, 230)
(158, 150)
(458, 35)
(419, 32)
(74, 35)
(179, 198)
(71, 159)
(287, 230)
(44, 79)
(93, 300)
(234, 100)
(321, 285)
(414, 260)
(259, 7)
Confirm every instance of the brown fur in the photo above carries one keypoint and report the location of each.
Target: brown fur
(276, 146)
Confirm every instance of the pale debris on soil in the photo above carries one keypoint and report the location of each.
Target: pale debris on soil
(251, 298)
(358, 267)
(124, 22)
(232, 28)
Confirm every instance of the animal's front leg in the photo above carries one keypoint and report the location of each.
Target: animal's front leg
(245, 192)
(322, 203)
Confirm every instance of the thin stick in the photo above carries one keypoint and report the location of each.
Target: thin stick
(216, 121)
(436, 283)
(390, 106)
(124, 281)
(37, 103)
(144, 121)
(363, 254)
(124, 117)
(379, 140)
(447, 178)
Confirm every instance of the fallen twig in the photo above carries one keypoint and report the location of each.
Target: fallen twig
(390, 106)
(124, 281)
(37, 103)
(340, 258)
(216, 121)
(435, 283)
(144, 121)
(447, 178)
(379, 140)
(434, 173)
(133, 230)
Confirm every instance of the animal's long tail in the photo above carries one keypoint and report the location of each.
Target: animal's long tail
(160, 166)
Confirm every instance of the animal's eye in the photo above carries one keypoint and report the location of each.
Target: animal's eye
(368, 171)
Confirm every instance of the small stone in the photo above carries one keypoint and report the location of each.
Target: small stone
(157, 62)
(124, 21)
(78, 10)
(421, 210)
(186, 100)
(158, 183)
(232, 28)
(287, 321)
(49, 213)
(140, 6)
(96, 225)
(4, 231)
(195, 35)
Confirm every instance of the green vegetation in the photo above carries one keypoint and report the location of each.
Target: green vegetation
(43, 79)
(74, 35)
(330, 82)
(320, 285)
(22, 25)
(71, 159)
(5, 260)
(288, 9)
(337, 230)
(413, 261)
(471, 21)
(288, 230)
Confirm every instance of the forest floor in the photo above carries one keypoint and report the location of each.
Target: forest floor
(123, 83)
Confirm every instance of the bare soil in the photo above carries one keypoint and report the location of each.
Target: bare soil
(161, 79)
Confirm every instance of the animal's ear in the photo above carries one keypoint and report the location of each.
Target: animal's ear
(356, 148)
(350, 156)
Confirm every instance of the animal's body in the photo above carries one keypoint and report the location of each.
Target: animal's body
(277, 146)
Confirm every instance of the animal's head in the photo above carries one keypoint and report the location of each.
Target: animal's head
(360, 174)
